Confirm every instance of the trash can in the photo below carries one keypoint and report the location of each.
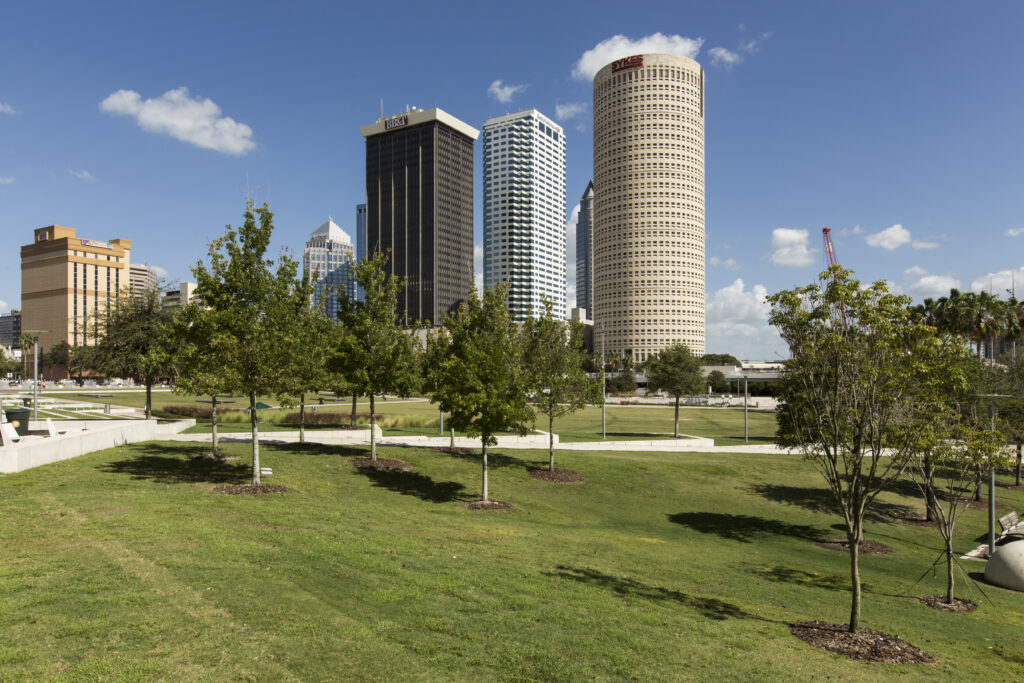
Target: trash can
(27, 402)
(18, 417)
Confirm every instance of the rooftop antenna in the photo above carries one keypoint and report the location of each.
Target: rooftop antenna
(382, 107)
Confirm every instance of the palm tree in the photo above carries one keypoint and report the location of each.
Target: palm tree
(25, 341)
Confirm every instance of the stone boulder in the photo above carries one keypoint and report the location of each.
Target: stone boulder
(1006, 567)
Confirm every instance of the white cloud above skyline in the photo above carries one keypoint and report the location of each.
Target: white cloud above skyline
(754, 45)
(82, 175)
(478, 266)
(6, 180)
(504, 93)
(569, 110)
(1000, 282)
(721, 56)
(618, 46)
(893, 237)
(737, 323)
(194, 120)
(790, 248)
(1015, 232)
(920, 282)
(5, 307)
(728, 264)
(923, 244)
(7, 109)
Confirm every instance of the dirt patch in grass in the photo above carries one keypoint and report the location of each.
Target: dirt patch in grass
(486, 505)
(867, 547)
(866, 645)
(915, 520)
(983, 504)
(1008, 485)
(251, 489)
(557, 475)
(382, 464)
(939, 602)
(215, 457)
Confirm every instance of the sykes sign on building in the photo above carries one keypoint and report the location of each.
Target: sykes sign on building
(627, 63)
(396, 122)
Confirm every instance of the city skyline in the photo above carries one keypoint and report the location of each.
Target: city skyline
(140, 123)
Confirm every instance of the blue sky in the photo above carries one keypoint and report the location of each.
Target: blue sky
(898, 124)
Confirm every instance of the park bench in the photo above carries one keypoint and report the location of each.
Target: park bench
(1012, 525)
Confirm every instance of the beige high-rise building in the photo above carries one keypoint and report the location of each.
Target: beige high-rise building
(65, 280)
(648, 232)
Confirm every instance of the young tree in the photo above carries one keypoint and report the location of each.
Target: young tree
(849, 394)
(130, 330)
(717, 380)
(375, 355)
(60, 355)
(250, 302)
(676, 371)
(310, 346)
(555, 357)
(476, 373)
(26, 341)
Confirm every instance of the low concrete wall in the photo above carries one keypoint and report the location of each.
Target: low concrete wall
(332, 436)
(83, 436)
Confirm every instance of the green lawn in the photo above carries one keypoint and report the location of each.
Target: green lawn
(124, 565)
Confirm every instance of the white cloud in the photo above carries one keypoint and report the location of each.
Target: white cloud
(6, 109)
(6, 180)
(789, 248)
(728, 264)
(891, 238)
(82, 175)
(478, 267)
(569, 110)
(723, 57)
(755, 44)
(618, 46)
(856, 230)
(1015, 232)
(570, 256)
(160, 272)
(920, 282)
(194, 120)
(504, 93)
(737, 323)
(5, 308)
(922, 244)
(1000, 282)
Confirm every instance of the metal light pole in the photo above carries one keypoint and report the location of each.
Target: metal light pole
(604, 399)
(992, 494)
(35, 378)
(441, 413)
(746, 429)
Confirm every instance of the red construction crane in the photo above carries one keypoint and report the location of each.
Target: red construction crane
(830, 251)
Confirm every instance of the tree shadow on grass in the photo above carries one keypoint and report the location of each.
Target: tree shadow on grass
(743, 528)
(170, 465)
(419, 485)
(343, 450)
(802, 577)
(494, 459)
(712, 608)
(821, 500)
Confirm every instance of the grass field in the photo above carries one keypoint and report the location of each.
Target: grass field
(124, 565)
(725, 425)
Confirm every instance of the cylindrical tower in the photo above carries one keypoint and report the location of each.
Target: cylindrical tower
(649, 204)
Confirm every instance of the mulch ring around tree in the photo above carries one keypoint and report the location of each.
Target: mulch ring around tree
(866, 645)
(557, 475)
(939, 602)
(215, 457)
(1009, 485)
(251, 489)
(867, 547)
(983, 504)
(382, 464)
(914, 520)
(486, 505)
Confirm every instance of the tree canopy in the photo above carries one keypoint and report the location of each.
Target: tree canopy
(676, 371)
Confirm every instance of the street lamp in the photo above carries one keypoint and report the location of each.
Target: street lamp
(604, 400)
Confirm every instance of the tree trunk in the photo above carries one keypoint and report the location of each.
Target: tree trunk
(302, 418)
(451, 446)
(675, 430)
(851, 538)
(483, 450)
(373, 431)
(551, 441)
(929, 490)
(149, 399)
(949, 569)
(977, 485)
(213, 423)
(255, 439)
(1017, 474)
(354, 397)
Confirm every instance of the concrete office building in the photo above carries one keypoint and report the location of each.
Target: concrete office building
(585, 251)
(176, 298)
(360, 244)
(66, 281)
(141, 278)
(419, 205)
(328, 257)
(649, 204)
(10, 329)
(524, 211)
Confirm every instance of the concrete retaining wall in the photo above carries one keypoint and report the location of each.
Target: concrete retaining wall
(83, 436)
